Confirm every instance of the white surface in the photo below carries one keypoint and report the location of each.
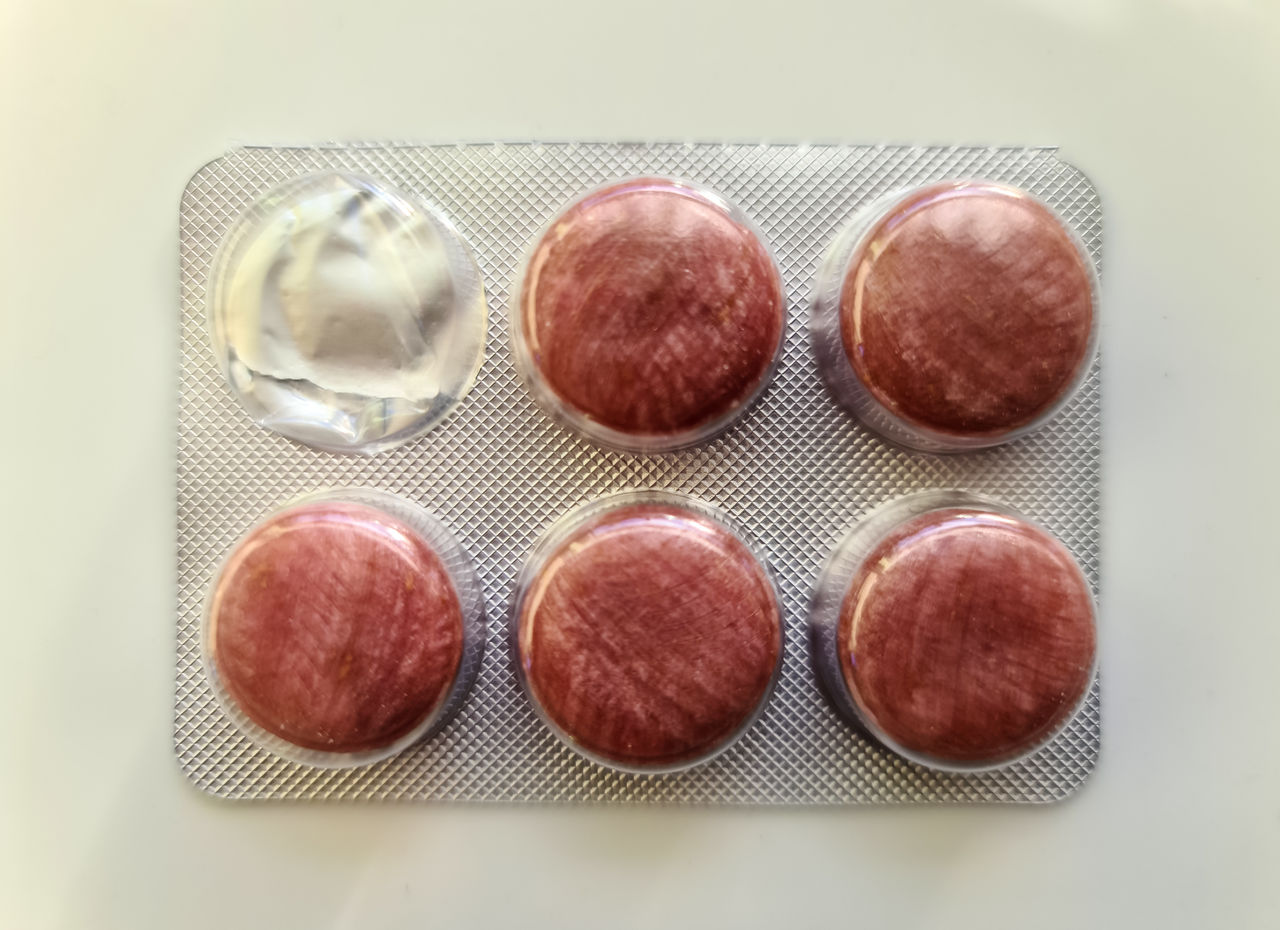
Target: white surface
(1171, 107)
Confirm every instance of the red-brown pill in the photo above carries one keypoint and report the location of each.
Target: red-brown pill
(650, 636)
(968, 310)
(967, 637)
(336, 627)
(650, 309)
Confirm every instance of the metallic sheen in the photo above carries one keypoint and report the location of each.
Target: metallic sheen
(346, 315)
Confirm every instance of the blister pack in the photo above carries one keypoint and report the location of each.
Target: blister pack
(477, 423)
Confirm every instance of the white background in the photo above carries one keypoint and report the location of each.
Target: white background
(106, 108)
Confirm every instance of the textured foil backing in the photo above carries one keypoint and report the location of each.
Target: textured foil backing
(795, 472)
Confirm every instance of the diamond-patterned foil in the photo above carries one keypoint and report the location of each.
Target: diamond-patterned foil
(795, 472)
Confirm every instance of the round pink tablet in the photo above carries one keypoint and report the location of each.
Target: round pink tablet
(967, 637)
(955, 316)
(335, 627)
(649, 636)
(650, 314)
